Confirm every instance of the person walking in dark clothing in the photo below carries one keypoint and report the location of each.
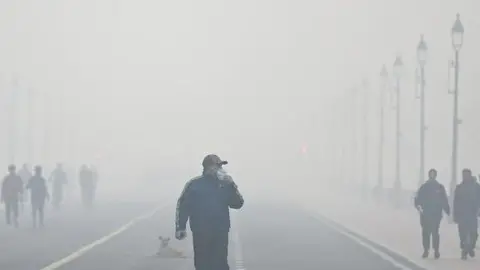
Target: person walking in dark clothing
(205, 201)
(431, 200)
(58, 179)
(25, 175)
(12, 191)
(94, 175)
(466, 206)
(87, 186)
(39, 194)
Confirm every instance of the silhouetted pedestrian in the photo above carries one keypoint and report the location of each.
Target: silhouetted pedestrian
(431, 200)
(466, 206)
(58, 179)
(87, 186)
(12, 191)
(39, 194)
(25, 175)
(205, 201)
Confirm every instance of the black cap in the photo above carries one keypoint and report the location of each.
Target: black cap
(211, 160)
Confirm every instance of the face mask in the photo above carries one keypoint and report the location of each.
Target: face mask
(221, 174)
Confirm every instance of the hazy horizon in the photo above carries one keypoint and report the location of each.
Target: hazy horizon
(147, 85)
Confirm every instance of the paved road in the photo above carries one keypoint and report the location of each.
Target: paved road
(284, 237)
(265, 237)
(65, 231)
(136, 248)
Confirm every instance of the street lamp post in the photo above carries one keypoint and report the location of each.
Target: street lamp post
(12, 142)
(345, 146)
(47, 125)
(384, 78)
(354, 132)
(30, 137)
(397, 71)
(457, 42)
(422, 59)
(365, 137)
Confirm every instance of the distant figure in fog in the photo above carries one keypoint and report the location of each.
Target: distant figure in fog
(25, 175)
(39, 194)
(466, 207)
(431, 200)
(12, 191)
(205, 201)
(94, 171)
(87, 185)
(58, 178)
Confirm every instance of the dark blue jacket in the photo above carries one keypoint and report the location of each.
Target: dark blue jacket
(432, 199)
(205, 201)
(466, 202)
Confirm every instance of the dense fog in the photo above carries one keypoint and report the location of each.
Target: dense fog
(146, 88)
(288, 92)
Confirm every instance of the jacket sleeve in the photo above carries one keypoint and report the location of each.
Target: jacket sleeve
(456, 204)
(418, 202)
(45, 186)
(236, 199)
(183, 208)
(19, 184)
(445, 204)
(4, 189)
(478, 197)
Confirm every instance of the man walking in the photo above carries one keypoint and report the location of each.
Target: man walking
(205, 201)
(25, 175)
(431, 201)
(466, 206)
(87, 186)
(39, 193)
(12, 190)
(94, 173)
(59, 179)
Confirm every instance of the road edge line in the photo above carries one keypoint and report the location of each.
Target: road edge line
(237, 244)
(386, 253)
(84, 249)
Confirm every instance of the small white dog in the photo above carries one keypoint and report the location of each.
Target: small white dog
(166, 251)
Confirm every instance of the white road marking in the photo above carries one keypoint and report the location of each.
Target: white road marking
(237, 244)
(238, 252)
(83, 250)
(363, 243)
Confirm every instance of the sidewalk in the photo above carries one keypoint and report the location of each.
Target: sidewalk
(396, 229)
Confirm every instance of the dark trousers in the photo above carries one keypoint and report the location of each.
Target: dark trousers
(38, 207)
(468, 232)
(11, 207)
(210, 250)
(22, 200)
(57, 196)
(87, 196)
(430, 230)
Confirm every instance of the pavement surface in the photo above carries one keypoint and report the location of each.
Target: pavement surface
(389, 228)
(265, 236)
(65, 231)
(286, 237)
